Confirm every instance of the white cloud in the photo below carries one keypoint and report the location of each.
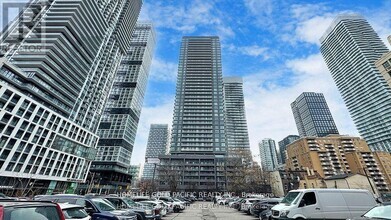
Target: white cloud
(253, 50)
(311, 30)
(309, 66)
(268, 104)
(307, 11)
(159, 114)
(188, 17)
(260, 7)
(381, 22)
(162, 70)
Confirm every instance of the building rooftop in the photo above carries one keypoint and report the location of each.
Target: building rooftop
(341, 176)
(232, 80)
(338, 19)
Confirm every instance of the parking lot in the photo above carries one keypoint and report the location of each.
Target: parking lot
(208, 211)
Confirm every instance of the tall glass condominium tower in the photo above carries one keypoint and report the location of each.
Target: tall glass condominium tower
(118, 127)
(198, 144)
(350, 48)
(312, 115)
(235, 115)
(268, 154)
(158, 141)
(198, 125)
(57, 65)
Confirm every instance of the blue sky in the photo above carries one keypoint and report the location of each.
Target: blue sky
(272, 44)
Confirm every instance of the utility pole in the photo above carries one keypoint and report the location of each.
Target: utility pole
(153, 177)
(370, 183)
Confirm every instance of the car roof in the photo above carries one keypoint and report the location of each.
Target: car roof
(62, 196)
(6, 203)
(329, 190)
(69, 206)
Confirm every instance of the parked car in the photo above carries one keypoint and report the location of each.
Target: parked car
(160, 209)
(239, 205)
(176, 205)
(3, 196)
(182, 200)
(147, 207)
(141, 198)
(31, 210)
(381, 211)
(324, 204)
(265, 215)
(121, 204)
(222, 201)
(235, 204)
(97, 208)
(246, 205)
(72, 211)
(265, 204)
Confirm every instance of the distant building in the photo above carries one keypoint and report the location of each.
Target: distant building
(383, 159)
(384, 66)
(134, 171)
(351, 181)
(350, 48)
(235, 115)
(276, 184)
(312, 115)
(268, 154)
(335, 155)
(158, 143)
(282, 147)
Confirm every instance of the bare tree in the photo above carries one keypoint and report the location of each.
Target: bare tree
(243, 174)
(146, 186)
(170, 176)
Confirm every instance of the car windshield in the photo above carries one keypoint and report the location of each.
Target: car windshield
(379, 212)
(103, 204)
(290, 197)
(129, 202)
(75, 213)
(144, 205)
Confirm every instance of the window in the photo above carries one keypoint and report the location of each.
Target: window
(309, 199)
(33, 213)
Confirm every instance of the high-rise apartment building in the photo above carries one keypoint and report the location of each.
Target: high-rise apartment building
(198, 132)
(383, 160)
(268, 154)
(313, 116)
(384, 65)
(283, 145)
(158, 144)
(118, 127)
(135, 172)
(350, 48)
(335, 155)
(235, 115)
(57, 64)
(198, 125)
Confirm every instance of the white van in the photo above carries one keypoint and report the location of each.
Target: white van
(324, 204)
